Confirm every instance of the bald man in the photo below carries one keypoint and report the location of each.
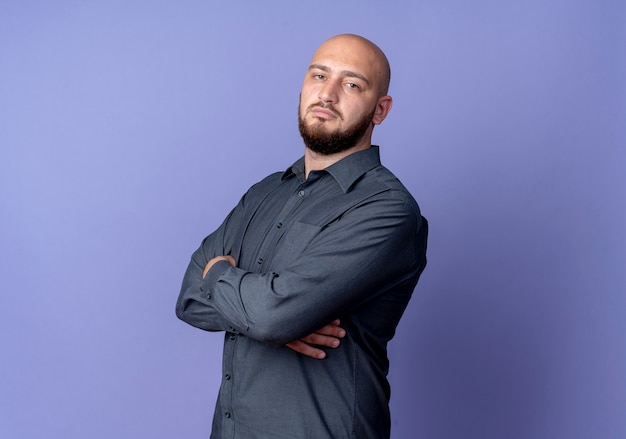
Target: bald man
(309, 274)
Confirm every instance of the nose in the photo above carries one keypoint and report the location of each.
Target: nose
(328, 93)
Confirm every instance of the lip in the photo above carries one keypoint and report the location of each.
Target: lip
(323, 113)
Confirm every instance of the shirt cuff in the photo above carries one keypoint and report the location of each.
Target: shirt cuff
(213, 275)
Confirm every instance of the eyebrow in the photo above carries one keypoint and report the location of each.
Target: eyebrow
(348, 73)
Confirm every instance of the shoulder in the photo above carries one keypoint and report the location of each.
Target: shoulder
(263, 186)
(391, 188)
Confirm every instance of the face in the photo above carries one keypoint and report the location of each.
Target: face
(342, 96)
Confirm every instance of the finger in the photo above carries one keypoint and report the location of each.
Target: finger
(307, 350)
(332, 329)
(321, 340)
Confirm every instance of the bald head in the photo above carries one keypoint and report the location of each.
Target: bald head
(349, 45)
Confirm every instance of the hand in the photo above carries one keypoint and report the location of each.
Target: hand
(328, 336)
(209, 264)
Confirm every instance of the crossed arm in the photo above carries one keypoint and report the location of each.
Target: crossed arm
(216, 295)
(328, 336)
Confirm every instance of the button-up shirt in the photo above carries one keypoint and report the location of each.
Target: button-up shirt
(347, 243)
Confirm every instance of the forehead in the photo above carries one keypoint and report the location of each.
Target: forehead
(348, 55)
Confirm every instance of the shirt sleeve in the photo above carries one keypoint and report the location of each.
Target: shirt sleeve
(194, 304)
(369, 251)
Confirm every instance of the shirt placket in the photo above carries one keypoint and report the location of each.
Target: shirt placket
(231, 342)
(226, 389)
(267, 248)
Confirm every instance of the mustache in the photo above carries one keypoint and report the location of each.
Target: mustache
(326, 106)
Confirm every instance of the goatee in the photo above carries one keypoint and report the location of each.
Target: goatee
(318, 139)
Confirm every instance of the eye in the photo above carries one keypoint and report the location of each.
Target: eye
(318, 76)
(353, 85)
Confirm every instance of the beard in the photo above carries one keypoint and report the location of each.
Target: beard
(318, 139)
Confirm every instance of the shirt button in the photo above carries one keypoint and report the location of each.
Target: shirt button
(227, 414)
(259, 261)
(279, 225)
(227, 377)
(301, 194)
(233, 336)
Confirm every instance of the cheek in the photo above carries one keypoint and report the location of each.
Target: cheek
(364, 109)
(353, 111)
(304, 98)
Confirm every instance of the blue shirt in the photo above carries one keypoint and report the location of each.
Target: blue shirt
(347, 242)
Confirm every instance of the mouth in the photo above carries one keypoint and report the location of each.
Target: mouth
(322, 112)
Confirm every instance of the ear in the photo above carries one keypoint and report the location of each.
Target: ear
(383, 107)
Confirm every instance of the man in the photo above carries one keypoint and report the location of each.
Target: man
(323, 255)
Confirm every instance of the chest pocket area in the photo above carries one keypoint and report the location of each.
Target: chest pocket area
(292, 244)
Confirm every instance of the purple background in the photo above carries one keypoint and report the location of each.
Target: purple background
(128, 129)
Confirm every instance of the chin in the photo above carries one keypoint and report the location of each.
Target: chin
(321, 124)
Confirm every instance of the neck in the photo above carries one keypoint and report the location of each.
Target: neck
(314, 161)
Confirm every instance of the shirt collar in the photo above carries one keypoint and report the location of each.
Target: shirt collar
(346, 171)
